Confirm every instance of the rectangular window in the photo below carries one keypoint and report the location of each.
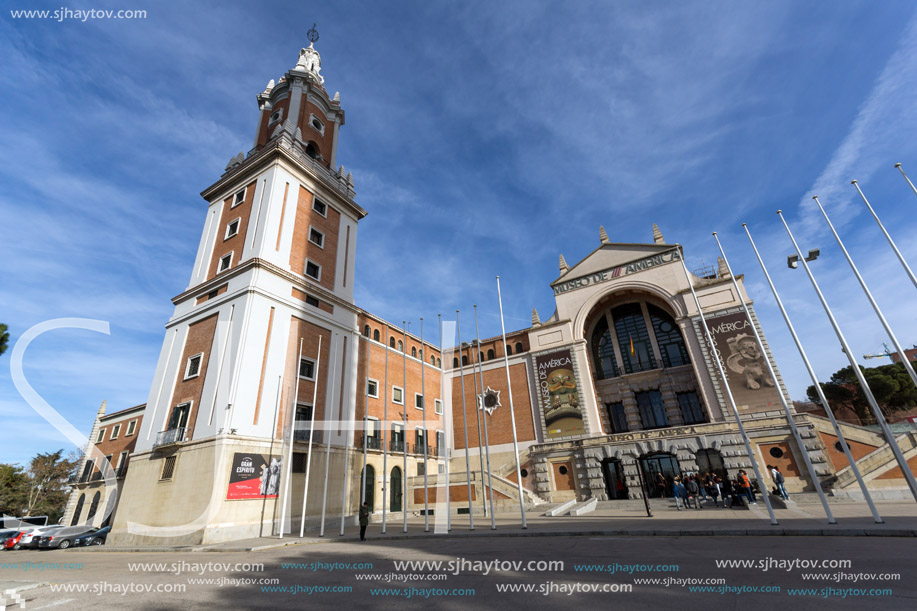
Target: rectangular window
(397, 395)
(115, 431)
(441, 468)
(438, 406)
(652, 409)
(440, 449)
(225, 262)
(179, 418)
(131, 427)
(307, 369)
(421, 468)
(419, 444)
(105, 469)
(312, 301)
(101, 436)
(418, 400)
(299, 462)
(168, 468)
(397, 438)
(617, 417)
(313, 270)
(232, 228)
(316, 237)
(193, 368)
(87, 471)
(691, 409)
(238, 198)
(372, 388)
(320, 207)
(302, 426)
(373, 434)
(122, 464)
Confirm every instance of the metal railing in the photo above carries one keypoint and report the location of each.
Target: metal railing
(397, 445)
(169, 437)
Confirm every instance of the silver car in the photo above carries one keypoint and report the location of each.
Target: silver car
(30, 539)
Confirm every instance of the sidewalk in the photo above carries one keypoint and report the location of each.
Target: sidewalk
(853, 520)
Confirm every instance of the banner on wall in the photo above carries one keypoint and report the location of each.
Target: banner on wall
(560, 397)
(254, 476)
(746, 372)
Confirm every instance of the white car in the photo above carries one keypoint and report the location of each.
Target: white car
(30, 539)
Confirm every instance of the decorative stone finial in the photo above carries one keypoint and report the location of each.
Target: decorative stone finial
(603, 235)
(563, 264)
(722, 270)
(270, 85)
(102, 407)
(536, 320)
(350, 179)
(657, 235)
(337, 96)
(310, 62)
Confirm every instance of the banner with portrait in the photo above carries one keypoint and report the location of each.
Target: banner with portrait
(559, 394)
(753, 388)
(254, 476)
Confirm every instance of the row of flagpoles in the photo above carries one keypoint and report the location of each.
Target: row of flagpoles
(477, 378)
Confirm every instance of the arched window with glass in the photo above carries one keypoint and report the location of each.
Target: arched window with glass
(603, 351)
(633, 338)
(668, 338)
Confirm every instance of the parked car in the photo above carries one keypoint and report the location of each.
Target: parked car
(6, 535)
(96, 537)
(64, 538)
(13, 542)
(30, 539)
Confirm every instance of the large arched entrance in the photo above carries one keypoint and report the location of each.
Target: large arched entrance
(369, 491)
(615, 483)
(93, 507)
(396, 494)
(660, 464)
(710, 461)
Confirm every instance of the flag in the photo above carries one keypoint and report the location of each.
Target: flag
(632, 353)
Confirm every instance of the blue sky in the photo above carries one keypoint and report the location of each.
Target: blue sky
(484, 138)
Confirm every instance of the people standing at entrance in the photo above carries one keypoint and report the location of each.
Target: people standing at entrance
(680, 493)
(728, 493)
(713, 488)
(779, 481)
(693, 491)
(701, 484)
(660, 484)
(364, 520)
(745, 483)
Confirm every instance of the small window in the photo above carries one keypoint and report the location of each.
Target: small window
(307, 369)
(317, 124)
(314, 270)
(299, 462)
(232, 228)
(225, 262)
(562, 470)
(193, 368)
(312, 150)
(316, 237)
(320, 207)
(131, 427)
(376, 335)
(115, 431)
(441, 468)
(276, 116)
(101, 436)
(509, 350)
(433, 361)
(838, 446)
(524, 473)
(168, 468)
(372, 388)
(391, 342)
(421, 468)
(414, 352)
(454, 363)
(238, 198)
(312, 301)
(464, 360)
(439, 363)
(480, 356)
(122, 464)
(397, 395)
(490, 354)
(106, 469)
(438, 406)
(400, 346)
(418, 400)
(776, 452)
(519, 347)
(366, 331)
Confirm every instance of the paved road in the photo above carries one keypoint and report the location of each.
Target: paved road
(694, 556)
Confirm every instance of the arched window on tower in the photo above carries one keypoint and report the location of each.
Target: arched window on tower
(391, 342)
(439, 363)
(509, 350)
(414, 352)
(464, 360)
(455, 363)
(400, 346)
(366, 331)
(480, 356)
(490, 354)
(668, 338)
(376, 334)
(312, 150)
(433, 361)
(604, 363)
(519, 347)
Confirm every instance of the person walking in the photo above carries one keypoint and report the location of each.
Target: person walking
(679, 492)
(712, 489)
(779, 480)
(745, 483)
(660, 484)
(701, 485)
(728, 495)
(364, 520)
(693, 491)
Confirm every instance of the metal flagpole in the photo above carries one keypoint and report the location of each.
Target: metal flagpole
(458, 328)
(735, 410)
(423, 415)
(870, 398)
(490, 477)
(345, 479)
(446, 423)
(818, 388)
(404, 413)
(305, 490)
(872, 302)
(327, 437)
(385, 425)
(365, 422)
(773, 374)
(288, 471)
(477, 417)
(891, 242)
(512, 413)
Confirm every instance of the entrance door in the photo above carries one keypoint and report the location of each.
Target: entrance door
(660, 463)
(395, 501)
(369, 492)
(615, 484)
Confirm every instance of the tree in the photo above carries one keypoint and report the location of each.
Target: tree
(4, 337)
(47, 484)
(13, 487)
(890, 384)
